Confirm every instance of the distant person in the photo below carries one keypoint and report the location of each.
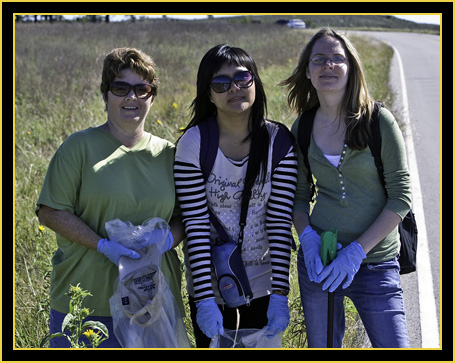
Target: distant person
(230, 95)
(115, 170)
(329, 83)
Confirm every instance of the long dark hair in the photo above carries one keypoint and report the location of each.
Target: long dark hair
(202, 108)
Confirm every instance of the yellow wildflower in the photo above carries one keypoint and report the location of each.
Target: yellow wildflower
(174, 105)
(159, 122)
(88, 333)
(41, 228)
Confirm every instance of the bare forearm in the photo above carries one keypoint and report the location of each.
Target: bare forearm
(177, 230)
(381, 227)
(301, 220)
(69, 226)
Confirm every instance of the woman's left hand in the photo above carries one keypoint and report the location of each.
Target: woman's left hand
(277, 314)
(113, 250)
(344, 266)
(156, 236)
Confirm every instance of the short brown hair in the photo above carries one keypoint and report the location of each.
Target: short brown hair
(128, 58)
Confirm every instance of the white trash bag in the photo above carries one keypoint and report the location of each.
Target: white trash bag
(246, 338)
(144, 311)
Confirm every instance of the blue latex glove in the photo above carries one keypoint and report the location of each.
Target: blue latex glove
(113, 250)
(209, 318)
(169, 243)
(311, 247)
(277, 314)
(156, 236)
(344, 266)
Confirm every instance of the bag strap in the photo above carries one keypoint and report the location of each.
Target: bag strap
(209, 148)
(209, 145)
(305, 129)
(375, 141)
(209, 132)
(246, 196)
(281, 144)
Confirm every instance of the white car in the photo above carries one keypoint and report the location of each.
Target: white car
(296, 23)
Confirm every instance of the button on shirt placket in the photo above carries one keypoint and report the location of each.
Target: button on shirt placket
(343, 195)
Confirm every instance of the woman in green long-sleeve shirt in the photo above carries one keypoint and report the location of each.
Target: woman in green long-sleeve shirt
(329, 80)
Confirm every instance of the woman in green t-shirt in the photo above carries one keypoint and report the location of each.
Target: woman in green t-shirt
(115, 170)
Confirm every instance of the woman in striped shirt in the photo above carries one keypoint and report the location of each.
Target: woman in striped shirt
(229, 88)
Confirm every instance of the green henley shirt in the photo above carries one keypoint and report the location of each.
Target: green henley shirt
(350, 197)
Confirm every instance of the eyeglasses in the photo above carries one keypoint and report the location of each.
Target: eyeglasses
(121, 89)
(242, 79)
(319, 60)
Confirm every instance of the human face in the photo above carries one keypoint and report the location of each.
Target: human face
(328, 76)
(128, 111)
(235, 100)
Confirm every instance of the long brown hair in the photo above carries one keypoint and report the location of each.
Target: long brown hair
(357, 105)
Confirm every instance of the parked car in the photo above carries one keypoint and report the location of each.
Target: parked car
(296, 23)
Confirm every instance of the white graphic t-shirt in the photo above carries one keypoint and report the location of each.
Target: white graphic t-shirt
(224, 196)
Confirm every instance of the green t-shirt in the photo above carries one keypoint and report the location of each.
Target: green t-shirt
(98, 179)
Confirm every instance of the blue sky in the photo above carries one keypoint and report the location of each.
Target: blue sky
(429, 19)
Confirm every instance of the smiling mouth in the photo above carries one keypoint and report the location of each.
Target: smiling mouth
(236, 99)
(129, 108)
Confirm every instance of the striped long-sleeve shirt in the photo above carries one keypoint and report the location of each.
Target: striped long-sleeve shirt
(267, 236)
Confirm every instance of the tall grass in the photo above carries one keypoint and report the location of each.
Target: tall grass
(57, 76)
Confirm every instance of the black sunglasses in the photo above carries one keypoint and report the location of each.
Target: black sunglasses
(243, 79)
(121, 89)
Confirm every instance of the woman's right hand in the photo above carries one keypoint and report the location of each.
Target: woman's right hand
(311, 246)
(209, 318)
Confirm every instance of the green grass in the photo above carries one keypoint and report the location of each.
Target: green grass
(57, 76)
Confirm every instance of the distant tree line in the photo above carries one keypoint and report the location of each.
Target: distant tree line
(53, 18)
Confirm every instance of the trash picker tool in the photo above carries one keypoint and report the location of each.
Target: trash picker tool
(328, 254)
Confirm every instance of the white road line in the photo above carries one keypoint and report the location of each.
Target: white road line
(427, 303)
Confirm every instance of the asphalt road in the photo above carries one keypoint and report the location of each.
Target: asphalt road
(420, 56)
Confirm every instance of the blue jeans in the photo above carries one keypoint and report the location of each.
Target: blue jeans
(377, 295)
(56, 320)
